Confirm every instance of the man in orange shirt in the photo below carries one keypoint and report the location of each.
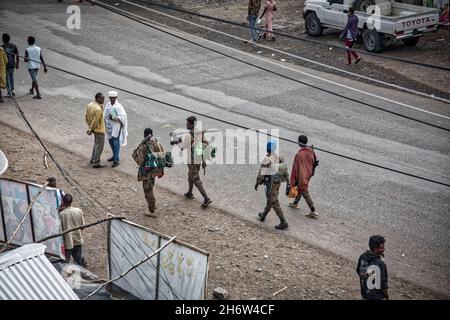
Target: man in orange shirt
(303, 167)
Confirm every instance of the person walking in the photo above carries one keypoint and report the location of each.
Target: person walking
(3, 65)
(272, 173)
(269, 11)
(13, 62)
(372, 271)
(146, 156)
(72, 217)
(253, 12)
(350, 34)
(116, 126)
(34, 58)
(191, 142)
(96, 125)
(303, 169)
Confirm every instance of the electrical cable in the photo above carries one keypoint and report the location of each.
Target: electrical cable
(295, 56)
(288, 35)
(293, 79)
(246, 128)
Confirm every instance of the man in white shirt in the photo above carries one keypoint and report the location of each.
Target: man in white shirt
(116, 126)
(33, 55)
(59, 193)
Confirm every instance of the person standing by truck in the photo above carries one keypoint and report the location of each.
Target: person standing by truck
(253, 11)
(349, 34)
(269, 11)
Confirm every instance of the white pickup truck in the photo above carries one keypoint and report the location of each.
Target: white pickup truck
(379, 20)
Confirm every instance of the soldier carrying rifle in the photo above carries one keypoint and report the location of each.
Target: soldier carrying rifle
(195, 142)
(272, 173)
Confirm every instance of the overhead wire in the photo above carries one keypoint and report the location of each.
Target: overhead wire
(67, 177)
(159, 5)
(126, 15)
(245, 127)
(78, 188)
(295, 56)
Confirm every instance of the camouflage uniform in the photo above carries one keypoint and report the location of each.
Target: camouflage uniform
(194, 179)
(194, 166)
(272, 173)
(307, 197)
(148, 177)
(148, 192)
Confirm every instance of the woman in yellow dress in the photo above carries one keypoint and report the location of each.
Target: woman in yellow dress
(3, 63)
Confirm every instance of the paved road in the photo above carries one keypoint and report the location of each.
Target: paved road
(354, 200)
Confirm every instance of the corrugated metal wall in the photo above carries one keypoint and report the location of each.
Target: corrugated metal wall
(26, 274)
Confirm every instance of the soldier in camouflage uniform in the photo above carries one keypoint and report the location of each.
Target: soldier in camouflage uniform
(149, 144)
(194, 164)
(272, 173)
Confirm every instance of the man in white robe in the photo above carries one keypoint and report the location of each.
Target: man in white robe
(116, 126)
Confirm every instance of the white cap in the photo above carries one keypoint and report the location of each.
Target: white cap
(113, 94)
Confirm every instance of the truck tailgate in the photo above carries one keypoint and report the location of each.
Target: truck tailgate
(417, 22)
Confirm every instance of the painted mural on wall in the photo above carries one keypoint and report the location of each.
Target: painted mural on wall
(42, 221)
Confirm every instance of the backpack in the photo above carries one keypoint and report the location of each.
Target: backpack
(154, 159)
(279, 173)
(282, 173)
(203, 149)
(140, 153)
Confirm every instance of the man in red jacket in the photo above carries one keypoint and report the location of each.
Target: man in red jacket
(302, 171)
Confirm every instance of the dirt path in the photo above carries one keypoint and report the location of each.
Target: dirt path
(251, 261)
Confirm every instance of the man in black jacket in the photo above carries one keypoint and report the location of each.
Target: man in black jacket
(372, 271)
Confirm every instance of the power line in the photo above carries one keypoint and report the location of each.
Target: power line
(74, 184)
(279, 74)
(288, 35)
(296, 56)
(241, 126)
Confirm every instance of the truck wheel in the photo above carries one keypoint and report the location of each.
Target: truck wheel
(312, 25)
(411, 42)
(362, 5)
(373, 40)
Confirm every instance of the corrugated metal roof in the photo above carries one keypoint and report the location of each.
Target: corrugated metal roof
(27, 274)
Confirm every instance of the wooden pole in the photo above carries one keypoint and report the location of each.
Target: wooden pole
(278, 292)
(130, 269)
(78, 228)
(7, 244)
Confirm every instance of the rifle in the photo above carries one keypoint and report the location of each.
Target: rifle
(175, 137)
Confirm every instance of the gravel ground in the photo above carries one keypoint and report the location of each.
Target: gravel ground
(251, 261)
